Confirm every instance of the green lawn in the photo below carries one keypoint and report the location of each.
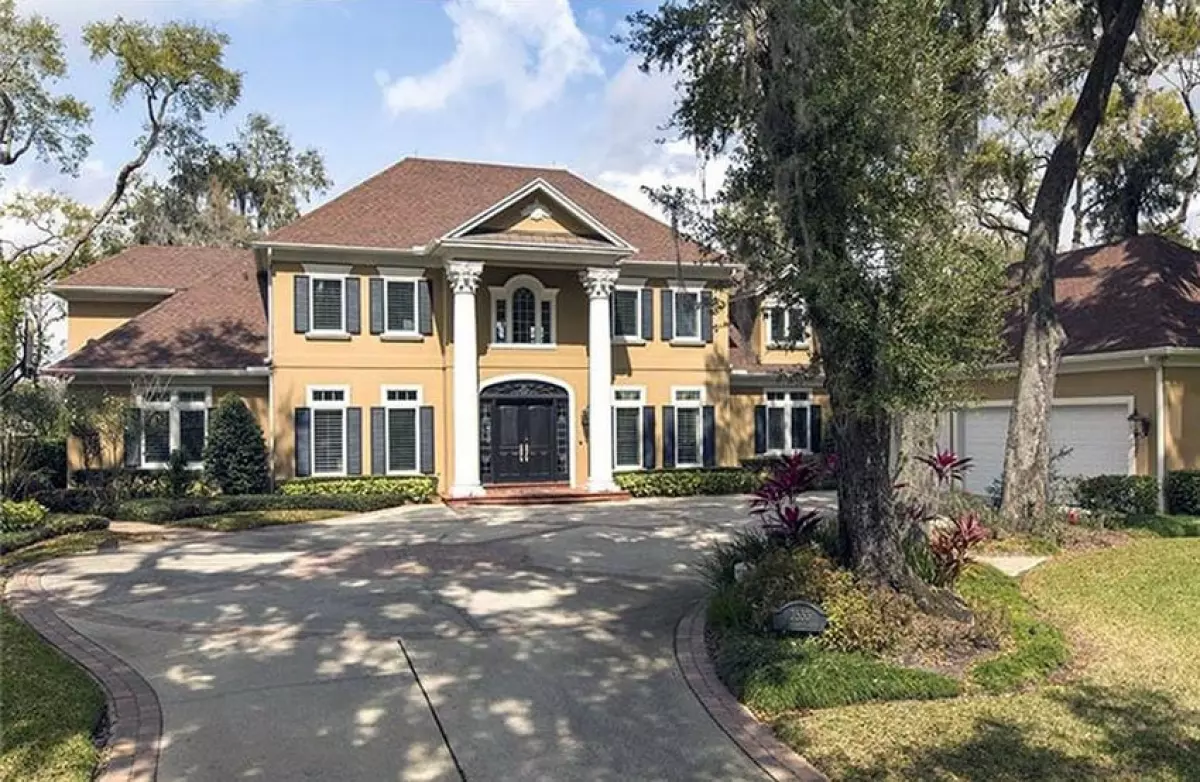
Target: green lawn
(252, 519)
(1127, 708)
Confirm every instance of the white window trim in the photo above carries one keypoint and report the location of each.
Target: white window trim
(637, 404)
(695, 288)
(686, 404)
(791, 406)
(634, 286)
(312, 303)
(405, 404)
(415, 282)
(172, 406)
(541, 293)
(768, 307)
(324, 405)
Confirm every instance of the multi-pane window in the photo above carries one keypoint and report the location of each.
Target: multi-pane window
(627, 427)
(786, 326)
(328, 304)
(689, 432)
(400, 306)
(687, 315)
(402, 406)
(523, 313)
(524, 316)
(328, 430)
(174, 420)
(787, 421)
(626, 313)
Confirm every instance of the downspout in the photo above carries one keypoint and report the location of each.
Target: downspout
(1160, 435)
(271, 366)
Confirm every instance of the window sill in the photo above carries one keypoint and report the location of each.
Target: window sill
(401, 337)
(689, 342)
(632, 468)
(165, 465)
(330, 336)
(524, 345)
(787, 346)
(628, 341)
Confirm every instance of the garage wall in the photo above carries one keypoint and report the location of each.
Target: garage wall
(1182, 391)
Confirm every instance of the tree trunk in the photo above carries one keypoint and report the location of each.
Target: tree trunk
(916, 436)
(1027, 452)
(1077, 211)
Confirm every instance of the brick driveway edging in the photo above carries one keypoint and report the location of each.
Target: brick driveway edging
(775, 758)
(134, 716)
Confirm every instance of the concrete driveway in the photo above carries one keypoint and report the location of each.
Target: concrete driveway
(541, 640)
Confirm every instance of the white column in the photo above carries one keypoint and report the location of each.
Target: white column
(599, 284)
(464, 281)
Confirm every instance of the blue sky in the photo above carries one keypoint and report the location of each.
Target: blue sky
(368, 82)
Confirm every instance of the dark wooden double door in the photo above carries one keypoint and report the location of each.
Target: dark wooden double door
(523, 442)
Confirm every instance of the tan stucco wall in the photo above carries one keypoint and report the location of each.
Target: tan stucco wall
(769, 356)
(88, 320)
(1182, 397)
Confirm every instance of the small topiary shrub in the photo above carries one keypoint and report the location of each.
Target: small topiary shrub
(1124, 494)
(178, 478)
(20, 516)
(235, 456)
(1183, 492)
(415, 488)
(689, 483)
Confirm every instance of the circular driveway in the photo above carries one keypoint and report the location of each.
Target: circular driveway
(418, 644)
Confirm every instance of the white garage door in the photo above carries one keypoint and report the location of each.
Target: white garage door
(1097, 434)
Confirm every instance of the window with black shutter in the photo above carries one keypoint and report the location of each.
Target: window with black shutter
(401, 306)
(328, 304)
(627, 428)
(403, 429)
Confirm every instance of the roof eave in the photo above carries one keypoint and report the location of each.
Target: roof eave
(128, 293)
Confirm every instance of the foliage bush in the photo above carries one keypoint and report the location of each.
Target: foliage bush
(825, 466)
(17, 516)
(776, 502)
(1126, 494)
(1183, 492)
(235, 455)
(159, 510)
(52, 525)
(75, 500)
(689, 483)
(177, 478)
(415, 488)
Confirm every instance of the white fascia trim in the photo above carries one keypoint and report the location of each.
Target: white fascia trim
(528, 247)
(542, 185)
(416, 249)
(687, 286)
(110, 292)
(401, 272)
(1064, 401)
(1115, 356)
(247, 372)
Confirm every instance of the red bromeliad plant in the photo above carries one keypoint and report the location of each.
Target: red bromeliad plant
(947, 466)
(951, 546)
(776, 501)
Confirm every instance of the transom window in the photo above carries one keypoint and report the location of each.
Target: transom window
(787, 421)
(689, 431)
(328, 303)
(400, 306)
(523, 312)
(171, 420)
(627, 427)
(403, 430)
(627, 313)
(328, 430)
(786, 326)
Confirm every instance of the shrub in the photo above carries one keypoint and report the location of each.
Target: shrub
(1125, 494)
(775, 502)
(78, 500)
(52, 525)
(415, 489)
(19, 516)
(159, 510)
(717, 566)
(1183, 492)
(950, 547)
(824, 465)
(947, 466)
(235, 456)
(178, 478)
(688, 483)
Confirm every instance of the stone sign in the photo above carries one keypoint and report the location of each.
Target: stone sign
(799, 617)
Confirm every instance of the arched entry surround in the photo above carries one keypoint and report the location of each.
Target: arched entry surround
(525, 395)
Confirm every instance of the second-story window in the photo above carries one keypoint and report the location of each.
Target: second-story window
(687, 315)
(328, 304)
(523, 312)
(401, 306)
(786, 326)
(627, 313)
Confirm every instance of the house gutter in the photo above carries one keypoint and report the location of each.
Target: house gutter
(114, 371)
(1145, 354)
(270, 367)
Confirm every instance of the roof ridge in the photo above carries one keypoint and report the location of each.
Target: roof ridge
(488, 163)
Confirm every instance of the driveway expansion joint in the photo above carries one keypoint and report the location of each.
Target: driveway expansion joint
(134, 737)
(777, 760)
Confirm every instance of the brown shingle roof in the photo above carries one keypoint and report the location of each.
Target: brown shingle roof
(217, 321)
(151, 266)
(418, 200)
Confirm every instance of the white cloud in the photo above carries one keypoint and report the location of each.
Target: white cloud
(530, 50)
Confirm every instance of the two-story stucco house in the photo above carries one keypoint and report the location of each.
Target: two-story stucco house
(488, 324)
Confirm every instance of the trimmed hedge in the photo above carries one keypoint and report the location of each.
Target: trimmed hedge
(1124, 494)
(1183, 492)
(689, 483)
(415, 488)
(20, 516)
(51, 527)
(159, 509)
(68, 500)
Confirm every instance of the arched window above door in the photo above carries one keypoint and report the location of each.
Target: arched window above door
(524, 313)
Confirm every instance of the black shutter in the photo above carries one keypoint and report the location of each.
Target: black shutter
(133, 437)
(647, 314)
(648, 437)
(760, 429)
(376, 290)
(425, 425)
(425, 307)
(354, 441)
(303, 425)
(353, 307)
(668, 436)
(814, 427)
(709, 417)
(300, 304)
(378, 441)
(706, 315)
(799, 428)
(668, 315)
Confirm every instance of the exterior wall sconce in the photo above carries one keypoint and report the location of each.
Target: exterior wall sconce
(1139, 425)
(585, 419)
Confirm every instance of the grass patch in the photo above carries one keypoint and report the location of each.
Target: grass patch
(774, 675)
(232, 522)
(49, 708)
(1166, 526)
(1037, 649)
(63, 545)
